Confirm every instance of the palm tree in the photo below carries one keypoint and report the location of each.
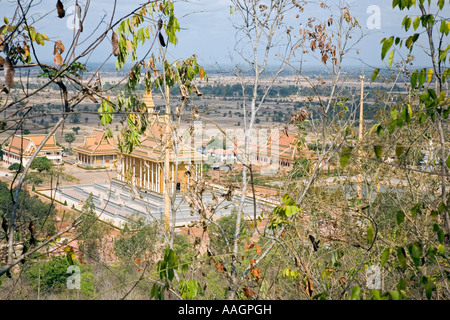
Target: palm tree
(70, 137)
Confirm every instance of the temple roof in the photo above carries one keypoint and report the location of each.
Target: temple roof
(152, 145)
(97, 144)
(26, 145)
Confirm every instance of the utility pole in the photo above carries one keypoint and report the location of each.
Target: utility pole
(360, 135)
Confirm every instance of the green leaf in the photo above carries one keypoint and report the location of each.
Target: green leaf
(414, 79)
(416, 23)
(416, 254)
(391, 58)
(370, 234)
(400, 217)
(441, 235)
(429, 287)
(445, 27)
(395, 295)
(5, 19)
(411, 40)
(375, 74)
(401, 285)
(392, 127)
(399, 150)
(378, 151)
(385, 256)
(356, 292)
(448, 162)
(441, 249)
(407, 113)
(345, 156)
(380, 131)
(154, 292)
(401, 255)
(394, 114)
(387, 44)
(374, 128)
(422, 77)
(406, 23)
(376, 295)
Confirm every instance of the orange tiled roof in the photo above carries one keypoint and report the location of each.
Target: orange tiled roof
(97, 144)
(26, 145)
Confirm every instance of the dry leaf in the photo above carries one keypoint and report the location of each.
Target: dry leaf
(161, 39)
(220, 267)
(309, 288)
(258, 249)
(60, 9)
(59, 47)
(248, 292)
(115, 44)
(58, 60)
(196, 91)
(160, 24)
(129, 45)
(2, 61)
(9, 73)
(256, 273)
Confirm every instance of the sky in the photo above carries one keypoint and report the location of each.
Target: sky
(207, 28)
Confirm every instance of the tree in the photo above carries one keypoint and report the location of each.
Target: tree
(49, 276)
(69, 137)
(91, 232)
(16, 167)
(137, 241)
(76, 129)
(42, 164)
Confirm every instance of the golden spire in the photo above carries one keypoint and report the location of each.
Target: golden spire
(148, 100)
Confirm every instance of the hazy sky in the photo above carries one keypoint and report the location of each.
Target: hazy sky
(207, 29)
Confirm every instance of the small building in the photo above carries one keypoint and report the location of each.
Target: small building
(97, 150)
(25, 146)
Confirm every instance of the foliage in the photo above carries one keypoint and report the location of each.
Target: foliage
(222, 235)
(138, 239)
(35, 178)
(29, 209)
(16, 167)
(49, 276)
(69, 137)
(91, 231)
(76, 129)
(42, 164)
